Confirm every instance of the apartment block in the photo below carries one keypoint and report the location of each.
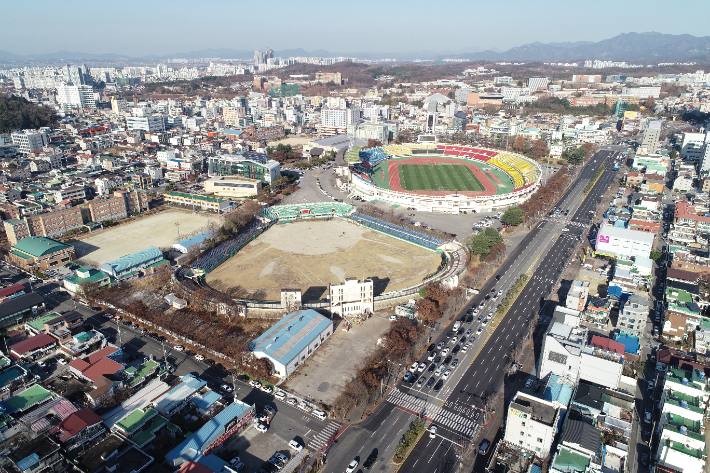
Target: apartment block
(109, 208)
(531, 424)
(51, 224)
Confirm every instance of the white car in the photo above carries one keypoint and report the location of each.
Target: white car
(295, 445)
(226, 388)
(280, 395)
(267, 389)
(61, 361)
(431, 356)
(199, 357)
(445, 351)
(254, 383)
(432, 431)
(414, 367)
(422, 367)
(292, 401)
(261, 428)
(179, 347)
(480, 329)
(446, 374)
(351, 467)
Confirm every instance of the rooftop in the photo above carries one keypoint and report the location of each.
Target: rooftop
(291, 335)
(538, 410)
(131, 261)
(28, 398)
(37, 246)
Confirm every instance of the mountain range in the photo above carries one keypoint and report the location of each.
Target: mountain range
(649, 47)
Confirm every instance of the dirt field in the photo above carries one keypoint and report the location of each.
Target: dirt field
(293, 141)
(156, 230)
(312, 254)
(323, 375)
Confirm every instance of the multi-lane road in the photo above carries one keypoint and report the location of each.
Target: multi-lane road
(456, 408)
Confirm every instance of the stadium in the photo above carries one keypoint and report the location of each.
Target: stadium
(309, 246)
(444, 178)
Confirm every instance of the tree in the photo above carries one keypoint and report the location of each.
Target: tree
(520, 83)
(519, 143)
(655, 254)
(373, 143)
(673, 154)
(513, 216)
(650, 103)
(539, 149)
(482, 243)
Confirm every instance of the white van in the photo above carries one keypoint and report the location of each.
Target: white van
(457, 325)
(319, 414)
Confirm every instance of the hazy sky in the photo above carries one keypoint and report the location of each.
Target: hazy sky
(161, 27)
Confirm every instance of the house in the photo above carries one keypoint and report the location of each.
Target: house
(115, 455)
(562, 351)
(97, 364)
(577, 295)
(674, 327)
(33, 347)
(597, 311)
(77, 429)
(37, 455)
(633, 315)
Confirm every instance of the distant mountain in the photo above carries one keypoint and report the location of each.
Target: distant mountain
(624, 47)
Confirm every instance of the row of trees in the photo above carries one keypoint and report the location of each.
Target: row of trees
(283, 153)
(537, 148)
(578, 155)
(546, 195)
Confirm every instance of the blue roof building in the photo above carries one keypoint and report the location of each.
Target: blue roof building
(200, 445)
(184, 245)
(125, 266)
(206, 402)
(293, 339)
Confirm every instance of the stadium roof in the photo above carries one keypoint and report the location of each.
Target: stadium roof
(37, 246)
(191, 448)
(131, 261)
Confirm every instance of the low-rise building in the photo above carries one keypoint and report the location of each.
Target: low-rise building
(149, 260)
(531, 424)
(232, 186)
(196, 201)
(634, 315)
(562, 351)
(352, 297)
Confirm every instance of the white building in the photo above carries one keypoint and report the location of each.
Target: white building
(511, 93)
(537, 83)
(29, 141)
(104, 184)
(118, 105)
(76, 96)
(531, 424)
(292, 340)
(693, 146)
(602, 367)
(150, 124)
(643, 92)
(651, 136)
(338, 118)
(623, 243)
(352, 297)
(562, 351)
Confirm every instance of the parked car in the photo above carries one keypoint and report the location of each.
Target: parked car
(261, 428)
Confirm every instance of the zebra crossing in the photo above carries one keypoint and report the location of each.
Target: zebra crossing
(458, 421)
(322, 437)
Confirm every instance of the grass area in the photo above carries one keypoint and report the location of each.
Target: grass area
(410, 438)
(445, 177)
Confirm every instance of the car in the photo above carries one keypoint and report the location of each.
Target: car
(437, 360)
(484, 322)
(41, 364)
(431, 347)
(440, 370)
(261, 428)
(295, 445)
(407, 375)
(482, 305)
(226, 388)
(61, 361)
(422, 367)
(319, 414)
(142, 331)
(432, 367)
(281, 457)
(650, 385)
(446, 374)
(431, 356)
(490, 315)
(480, 329)
(351, 466)
(236, 466)
(447, 360)
(528, 383)
(262, 417)
(269, 409)
(483, 447)
(476, 311)
(464, 349)
(456, 349)
(414, 366)
(254, 383)
(267, 389)
(421, 381)
(500, 293)
(292, 401)
(438, 386)
(280, 395)
(199, 357)
(469, 319)
(432, 431)
(445, 352)
(450, 334)
(303, 405)
(647, 416)
(235, 460)
(469, 332)
(463, 340)
(431, 382)
(179, 347)
(479, 319)
(440, 345)
(453, 340)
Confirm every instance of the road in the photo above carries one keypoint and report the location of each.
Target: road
(456, 409)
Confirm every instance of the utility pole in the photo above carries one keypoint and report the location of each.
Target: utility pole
(118, 328)
(177, 224)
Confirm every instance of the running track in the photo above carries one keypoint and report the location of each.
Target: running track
(488, 187)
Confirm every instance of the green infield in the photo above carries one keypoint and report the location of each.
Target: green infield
(438, 177)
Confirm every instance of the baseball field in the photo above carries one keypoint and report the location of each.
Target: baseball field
(312, 254)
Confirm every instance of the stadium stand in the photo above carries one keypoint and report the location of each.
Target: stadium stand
(467, 152)
(219, 255)
(373, 156)
(396, 231)
(518, 179)
(530, 172)
(313, 210)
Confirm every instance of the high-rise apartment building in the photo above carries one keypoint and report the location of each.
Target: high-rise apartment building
(76, 96)
(29, 141)
(262, 57)
(651, 136)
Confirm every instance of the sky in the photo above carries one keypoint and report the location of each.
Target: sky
(158, 27)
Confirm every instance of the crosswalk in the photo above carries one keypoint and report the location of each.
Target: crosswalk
(322, 437)
(460, 419)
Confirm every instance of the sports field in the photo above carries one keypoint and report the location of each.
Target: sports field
(438, 177)
(312, 254)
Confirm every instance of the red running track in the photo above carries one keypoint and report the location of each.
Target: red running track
(494, 177)
(488, 187)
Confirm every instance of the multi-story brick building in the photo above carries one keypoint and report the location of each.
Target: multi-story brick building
(50, 224)
(40, 253)
(136, 200)
(108, 208)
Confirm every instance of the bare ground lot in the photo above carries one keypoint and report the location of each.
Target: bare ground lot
(312, 254)
(326, 372)
(157, 230)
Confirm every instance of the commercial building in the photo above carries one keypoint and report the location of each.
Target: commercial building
(352, 297)
(292, 339)
(154, 123)
(642, 92)
(623, 243)
(29, 141)
(13, 310)
(602, 362)
(221, 427)
(577, 295)
(250, 165)
(149, 260)
(537, 83)
(382, 132)
(587, 78)
(232, 186)
(335, 77)
(562, 350)
(634, 315)
(40, 253)
(334, 121)
(178, 397)
(651, 136)
(531, 424)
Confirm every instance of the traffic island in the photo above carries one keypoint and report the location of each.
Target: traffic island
(411, 437)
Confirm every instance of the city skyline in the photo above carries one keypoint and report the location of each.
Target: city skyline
(159, 28)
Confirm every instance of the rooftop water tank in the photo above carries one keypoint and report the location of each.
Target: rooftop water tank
(684, 404)
(684, 382)
(683, 430)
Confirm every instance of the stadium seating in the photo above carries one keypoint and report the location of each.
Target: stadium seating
(529, 171)
(314, 210)
(396, 230)
(518, 179)
(218, 255)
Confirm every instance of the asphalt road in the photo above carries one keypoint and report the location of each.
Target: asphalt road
(456, 409)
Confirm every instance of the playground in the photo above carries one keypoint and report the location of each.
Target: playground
(157, 230)
(312, 254)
